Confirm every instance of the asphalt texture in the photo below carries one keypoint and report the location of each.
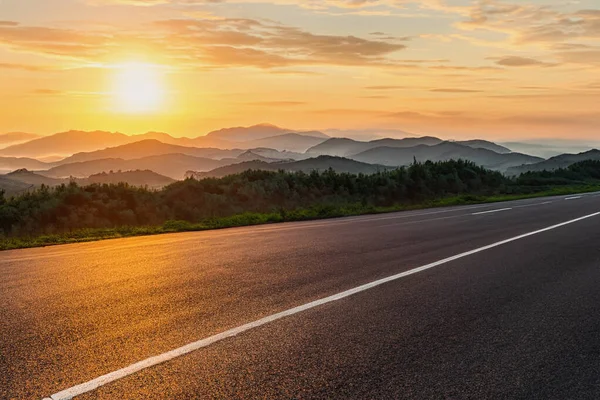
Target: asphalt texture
(518, 321)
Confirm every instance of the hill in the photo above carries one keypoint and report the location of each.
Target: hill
(294, 142)
(171, 165)
(279, 155)
(150, 147)
(32, 178)
(12, 138)
(140, 178)
(554, 163)
(66, 143)
(22, 180)
(321, 163)
(12, 187)
(443, 152)
(256, 132)
(484, 144)
(548, 149)
(244, 134)
(8, 164)
(344, 147)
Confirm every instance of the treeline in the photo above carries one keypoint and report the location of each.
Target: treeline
(70, 207)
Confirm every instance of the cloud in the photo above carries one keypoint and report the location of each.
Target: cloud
(455, 90)
(516, 61)
(277, 103)
(206, 42)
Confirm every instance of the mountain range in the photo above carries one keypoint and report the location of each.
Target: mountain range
(157, 158)
(553, 163)
(320, 163)
(396, 156)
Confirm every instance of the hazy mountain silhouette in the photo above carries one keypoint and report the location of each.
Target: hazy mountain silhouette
(133, 178)
(8, 164)
(343, 147)
(22, 180)
(32, 178)
(171, 165)
(279, 155)
(548, 149)
(290, 141)
(67, 143)
(320, 163)
(561, 161)
(13, 187)
(442, 152)
(250, 155)
(484, 144)
(150, 147)
(12, 138)
(256, 132)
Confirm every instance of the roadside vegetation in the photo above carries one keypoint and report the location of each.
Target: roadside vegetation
(70, 213)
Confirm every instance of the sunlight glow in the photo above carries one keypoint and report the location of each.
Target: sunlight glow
(138, 88)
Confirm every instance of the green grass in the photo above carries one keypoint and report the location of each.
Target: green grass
(249, 219)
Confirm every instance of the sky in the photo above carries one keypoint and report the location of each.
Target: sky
(456, 68)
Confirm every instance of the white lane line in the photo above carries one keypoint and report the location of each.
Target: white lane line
(535, 204)
(573, 198)
(492, 211)
(159, 359)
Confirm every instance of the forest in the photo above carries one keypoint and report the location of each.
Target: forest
(276, 196)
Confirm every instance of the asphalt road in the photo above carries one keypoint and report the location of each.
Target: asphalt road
(518, 321)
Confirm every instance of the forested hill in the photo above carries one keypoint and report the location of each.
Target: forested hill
(274, 195)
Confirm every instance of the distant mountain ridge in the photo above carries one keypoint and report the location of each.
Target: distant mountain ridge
(561, 161)
(12, 138)
(151, 147)
(442, 152)
(344, 147)
(319, 163)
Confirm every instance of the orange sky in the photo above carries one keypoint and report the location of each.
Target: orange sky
(455, 68)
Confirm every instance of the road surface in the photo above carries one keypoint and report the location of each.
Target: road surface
(489, 301)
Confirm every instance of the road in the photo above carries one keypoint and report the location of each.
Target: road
(506, 305)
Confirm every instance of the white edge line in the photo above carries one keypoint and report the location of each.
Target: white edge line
(492, 211)
(573, 198)
(159, 359)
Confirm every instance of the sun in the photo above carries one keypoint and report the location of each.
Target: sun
(138, 88)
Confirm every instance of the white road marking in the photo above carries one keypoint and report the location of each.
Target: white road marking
(535, 204)
(492, 211)
(573, 198)
(170, 355)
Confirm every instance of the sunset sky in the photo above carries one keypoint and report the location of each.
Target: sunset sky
(456, 68)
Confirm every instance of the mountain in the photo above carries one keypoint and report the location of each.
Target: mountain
(22, 180)
(320, 163)
(244, 134)
(548, 149)
(12, 138)
(561, 161)
(32, 178)
(256, 132)
(344, 147)
(366, 135)
(66, 143)
(8, 164)
(484, 144)
(150, 147)
(12, 187)
(171, 165)
(442, 152)
(133, 178)
(279, 155)
(251, 155)
(288, 142)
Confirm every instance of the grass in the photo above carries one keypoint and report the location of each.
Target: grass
(249, 219)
